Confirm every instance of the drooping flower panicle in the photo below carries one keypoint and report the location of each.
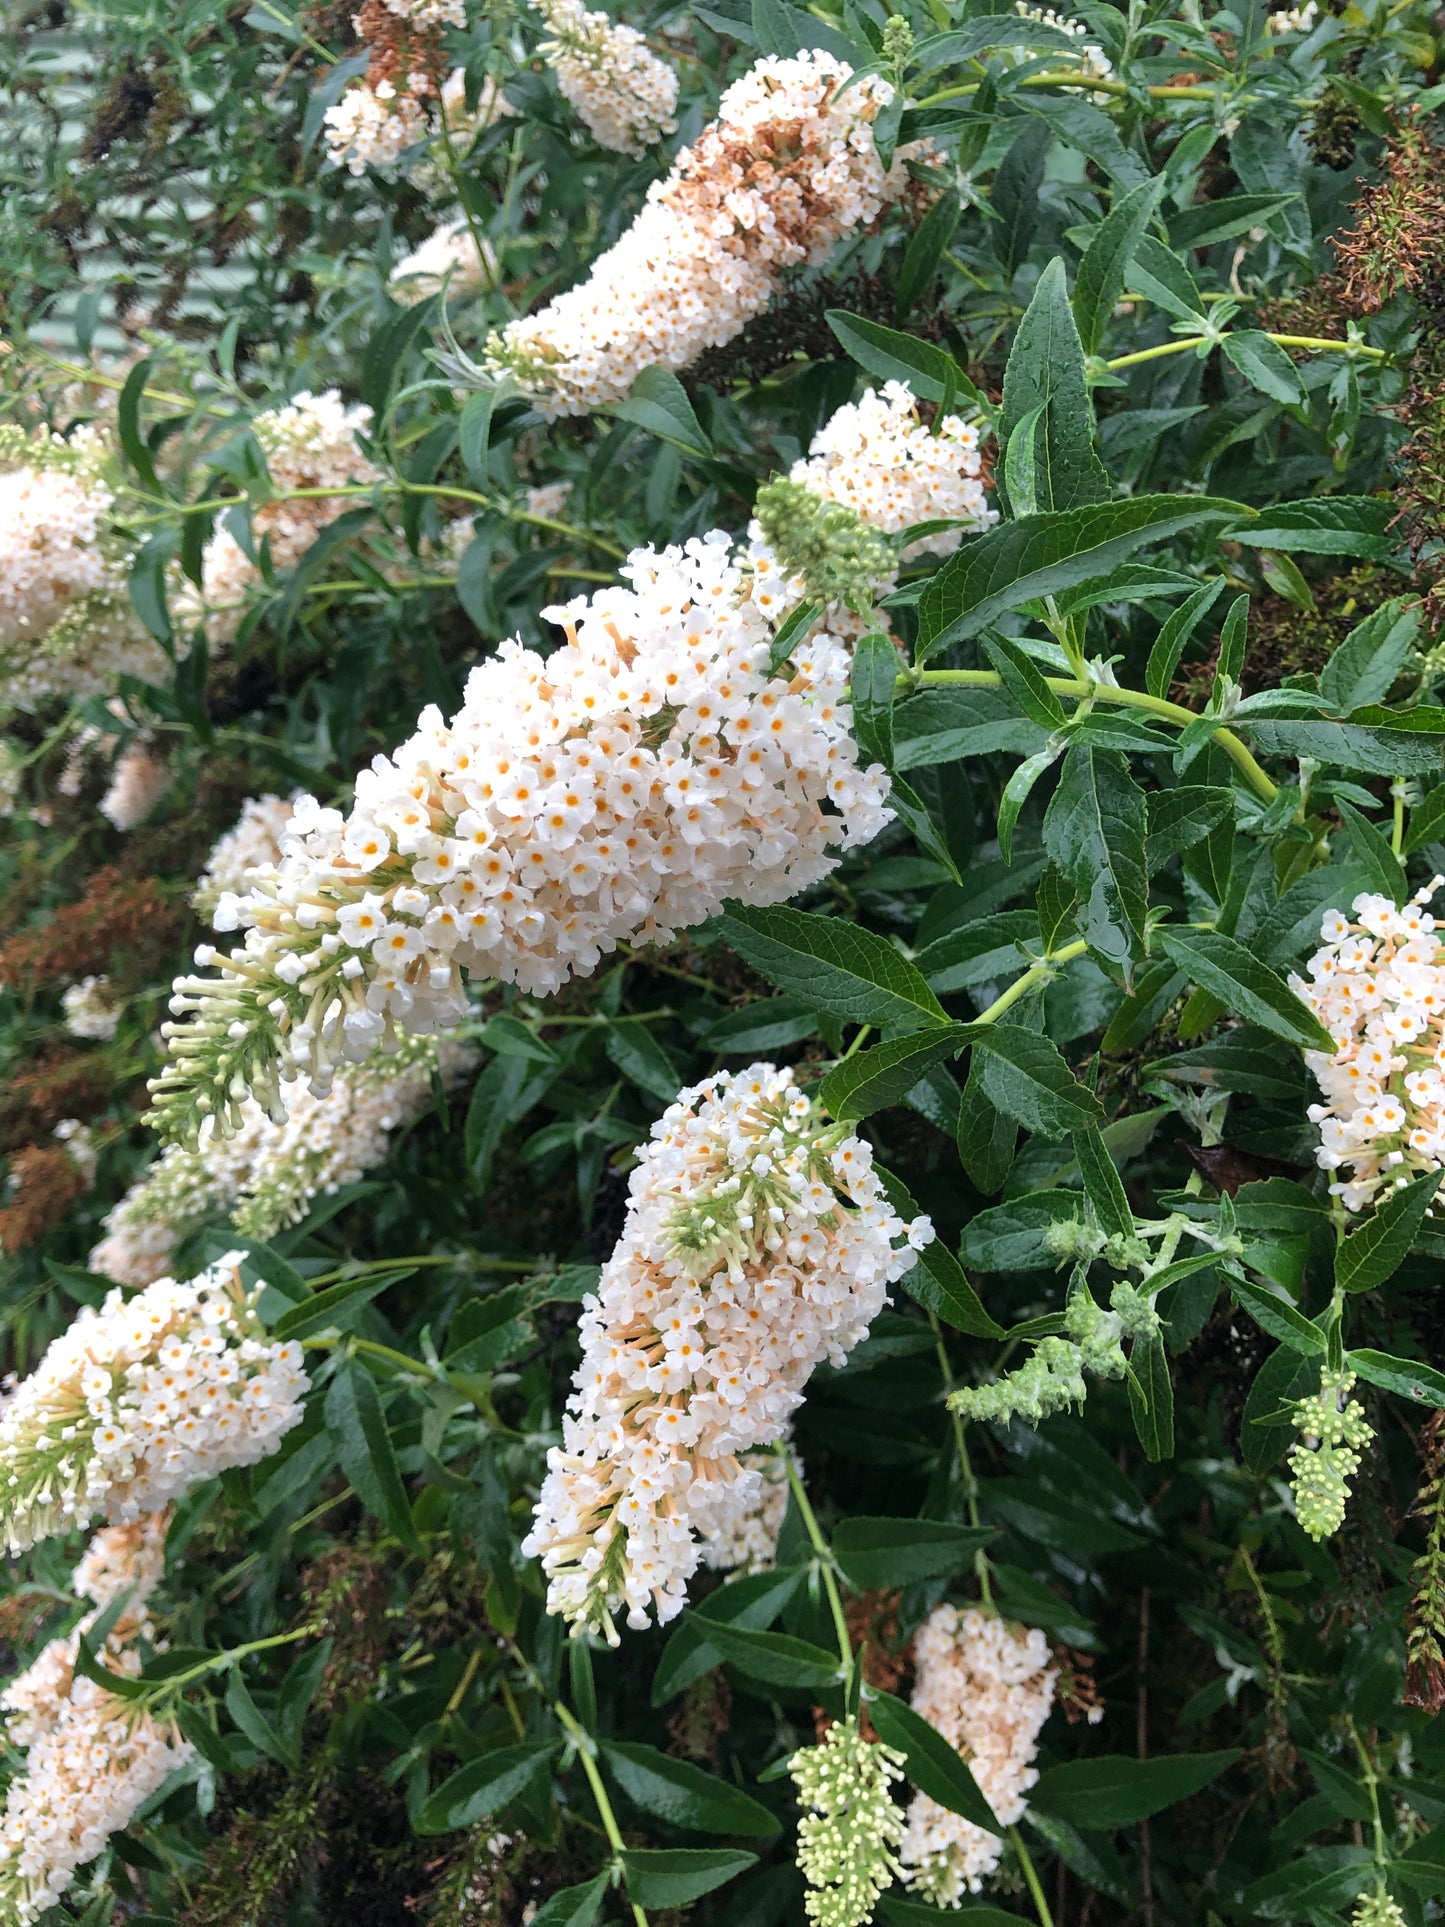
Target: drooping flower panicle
(757, 1244)
(1326, 1456)
(849, 1833)
(987, 1686)
(788, 167)
(141, 1400)
(621, 789)
(1377, 984)
(618, 87)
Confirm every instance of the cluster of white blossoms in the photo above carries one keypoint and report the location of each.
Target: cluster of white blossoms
(141, 1400)
(623, 94)
(66, 624)
(1377, 985)
(448, 257)
(374, 126)
(620, 789)
(1090, 56)
(309, 444)
(850, 1829)
(757, 1244)
(1295, 19)
(878, 458)
(788, 167)
(987, 1685)
(429, 15)
(267, 1174)
(90, 1010)
(93, 1759)
(252, 843)
(742, 1533)
(138, 781)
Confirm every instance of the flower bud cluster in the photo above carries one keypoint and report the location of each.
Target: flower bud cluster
(1377, 985)
(623, 94)
(267, 1174)
(308, 444)
(93, 1758)
(788, 167)
(141, 1400)
(849, 1833)
(757, 1244)
(1326, 1456)
(987, 1686)
(1052, 1378)
(620, 789)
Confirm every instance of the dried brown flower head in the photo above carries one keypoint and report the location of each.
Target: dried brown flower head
(122, 927)
(44, 1182)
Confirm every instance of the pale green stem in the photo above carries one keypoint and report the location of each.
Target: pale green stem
(1315, 342)
(825, 1563)
(965, 1468)
(1038, 973)
(1091, 82)
(1035, 1885)
(586, 1752)
(1129, 698)
(1372, 1785)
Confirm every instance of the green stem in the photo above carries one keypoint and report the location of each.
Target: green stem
(1316, 342)
(825, 1562)
(1038, 973)
(1035, 1885)
(1129, 699)
(1372, 1784)
(1092, 82)
(586, 1752)
(965, 1468)
(213, 1662)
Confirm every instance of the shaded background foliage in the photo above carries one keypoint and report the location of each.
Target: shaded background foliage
(161, 193)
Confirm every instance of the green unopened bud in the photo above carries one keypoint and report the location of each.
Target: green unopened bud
(898, 40)
(1377, 1910)
(841, 560)
(848, 1837)
(1326, 1456)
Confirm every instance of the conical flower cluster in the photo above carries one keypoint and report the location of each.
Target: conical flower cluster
(1377, 984)
(987, 1686)
(757, 1244)
(93, 1758)
(619, 790)
(787, 169)
(623, 94)
(1326, 1456)
(310, 443)
(141, 1400)
(849, 1833)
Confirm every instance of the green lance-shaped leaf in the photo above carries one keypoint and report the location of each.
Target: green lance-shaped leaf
(1246, 986)
(659, 403)
(934, 1767)
(872, 686)
(888, 355)
(683, 1794)
(1151, 1397)
(483, 1786)
(1115, 1791)
(778, 1659)
(834, 965)
(356, 1421)
(1100, 279)
(1406, 1377)
(925, 251)
(1371, 1255)
(1371, 854)
(1036, 1087)
(1364, 668)
(1095, 831)
(1018, 562)
(938, 1281)
(574, 1906)
(1046, 370)
(895, 1552)
(1276, 1315)
(1264, 365)
(676, 1876)
(1103, 1186)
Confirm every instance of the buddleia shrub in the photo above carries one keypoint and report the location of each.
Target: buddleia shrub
(722, 735)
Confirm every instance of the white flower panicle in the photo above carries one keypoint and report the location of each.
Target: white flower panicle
(788, 167)
(987, 1685)
(1377, 985)
(1295, 19)
(141, 1400)
(267, 1174)
(1326, 1456)
(138, 782)
(621, 789)
(1090, 56)
(449, 252)
(309, 443)
(252, 843)
(79, 1142)
(876, 456)
(623, 94)
(66, 624)
(757, 1244)
(742, 1532)
(90, 1010)
(849, 1833)
(374, 126)
(429, 15)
